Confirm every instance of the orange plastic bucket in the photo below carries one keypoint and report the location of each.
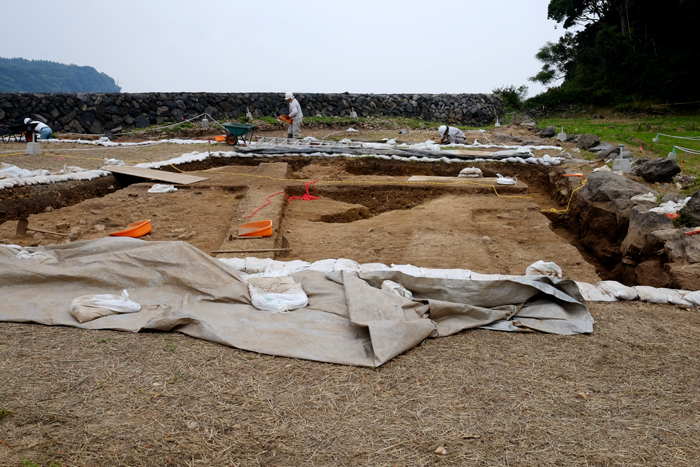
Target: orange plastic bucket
(220, 138)
(255, 229)
(135, 230)
(285, 119)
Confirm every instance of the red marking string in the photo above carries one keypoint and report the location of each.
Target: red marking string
(305, 197)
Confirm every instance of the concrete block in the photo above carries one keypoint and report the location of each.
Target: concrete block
(622, 164)
(33, 148)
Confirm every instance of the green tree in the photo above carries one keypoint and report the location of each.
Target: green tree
(20, 75)
(622, 50)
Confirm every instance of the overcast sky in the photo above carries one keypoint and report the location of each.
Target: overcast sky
(363, 46)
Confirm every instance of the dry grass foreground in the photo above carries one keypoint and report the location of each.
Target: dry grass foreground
(625, 395)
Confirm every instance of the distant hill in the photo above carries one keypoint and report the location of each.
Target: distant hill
(20, 75)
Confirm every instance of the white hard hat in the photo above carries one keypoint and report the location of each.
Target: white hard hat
(442, 129)
(289, 95)
(27, 120)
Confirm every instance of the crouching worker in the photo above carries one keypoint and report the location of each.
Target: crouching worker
(35, 126)
(451, 135)
(294, 128)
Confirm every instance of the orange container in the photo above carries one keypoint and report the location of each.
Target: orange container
(135, 230)
(255, 229)
(220, 138)
(285, 119)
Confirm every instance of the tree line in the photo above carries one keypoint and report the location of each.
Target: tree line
(20, 75)
(620, 51)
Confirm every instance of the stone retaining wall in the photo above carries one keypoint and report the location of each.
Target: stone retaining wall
(96, 113)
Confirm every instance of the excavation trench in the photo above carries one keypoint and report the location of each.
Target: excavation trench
(427, 225)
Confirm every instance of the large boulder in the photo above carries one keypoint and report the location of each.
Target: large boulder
(601, 210)
(587, 141)
(609, 186)
(684, 276)
(658, 170)
(603, 150)
(141, 121)
(639, 241)
(548, 132)
(692, 209)
(682, 248)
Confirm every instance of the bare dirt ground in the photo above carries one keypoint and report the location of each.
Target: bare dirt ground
(625, 395)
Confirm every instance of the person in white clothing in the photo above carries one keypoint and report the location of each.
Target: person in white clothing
(450, 134)
(35, 126)
(294, 128)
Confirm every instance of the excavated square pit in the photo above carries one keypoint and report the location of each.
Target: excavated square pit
(369, 216)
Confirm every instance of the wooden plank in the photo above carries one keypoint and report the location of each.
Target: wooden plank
(180, 179)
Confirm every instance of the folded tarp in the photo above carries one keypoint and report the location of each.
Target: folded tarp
(349, 319)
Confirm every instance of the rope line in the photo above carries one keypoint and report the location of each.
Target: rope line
(268, 202)
(583, 183)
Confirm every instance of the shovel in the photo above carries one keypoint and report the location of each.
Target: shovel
(22, 229)
(284, 251)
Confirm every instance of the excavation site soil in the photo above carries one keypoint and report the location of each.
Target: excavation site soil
(624, 395)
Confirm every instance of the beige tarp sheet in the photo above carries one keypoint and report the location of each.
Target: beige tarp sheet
(349, 319)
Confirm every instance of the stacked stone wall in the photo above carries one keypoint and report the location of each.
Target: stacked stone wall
(96, 113)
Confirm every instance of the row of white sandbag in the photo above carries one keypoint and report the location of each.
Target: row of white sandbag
(604, 291)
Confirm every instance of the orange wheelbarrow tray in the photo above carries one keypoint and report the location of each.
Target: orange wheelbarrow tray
(135, 230)
(256, 229)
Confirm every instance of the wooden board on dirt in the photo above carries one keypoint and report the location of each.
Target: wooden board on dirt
(180, 179)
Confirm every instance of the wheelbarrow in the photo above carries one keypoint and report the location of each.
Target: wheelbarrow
(237, 130)
(13, 133)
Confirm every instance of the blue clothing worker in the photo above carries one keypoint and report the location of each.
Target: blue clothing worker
(35, 126)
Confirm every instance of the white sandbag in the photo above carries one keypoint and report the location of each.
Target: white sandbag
(257, 265)
(114, 162)
(89, 307)
(693, 297)
(408, 269)
(662, 295)
(506, 180)
(343, 264)
(591, 293)
(677, 297)
(276, 294)
(471, 172)
(158, 188)
(398, 289)
(12, 171)
(286, 268)
(542, 268)
(646, 197)
(236, 263)
(324, 265)
(617, 290)
(373, 267)
(72, 169)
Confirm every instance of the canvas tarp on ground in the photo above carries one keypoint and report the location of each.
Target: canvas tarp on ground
(349, 319)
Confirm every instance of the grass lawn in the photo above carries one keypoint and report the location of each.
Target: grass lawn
(625, 131)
